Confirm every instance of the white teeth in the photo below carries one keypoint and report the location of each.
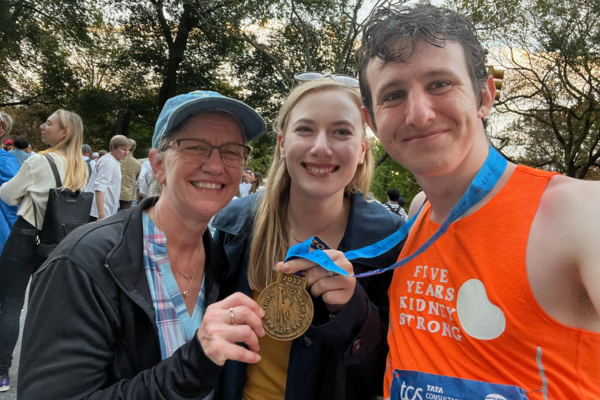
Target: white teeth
(205, 185)
(320, 170)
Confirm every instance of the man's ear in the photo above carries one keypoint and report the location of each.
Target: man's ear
(488, 93)
(158, 166)
(370, 121)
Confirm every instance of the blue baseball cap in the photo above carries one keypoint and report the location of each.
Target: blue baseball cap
(178, 108)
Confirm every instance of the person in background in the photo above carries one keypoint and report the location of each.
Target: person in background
(246, 182)
(105, 182)
(102, 153)
(256, 181)
(395, 203)
(63, 132)
(86, 152)
(9, 166)
(132, 306)
(29, 151)
(144, 181)
(8, 145)
(130, 172)
(95, 156)
(320, 171)
(20, 145)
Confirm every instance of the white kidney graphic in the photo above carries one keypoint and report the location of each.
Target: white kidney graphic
(478, 316)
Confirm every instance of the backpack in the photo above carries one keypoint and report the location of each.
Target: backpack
(66, 211)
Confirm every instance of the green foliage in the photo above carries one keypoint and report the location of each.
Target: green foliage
(389, 175)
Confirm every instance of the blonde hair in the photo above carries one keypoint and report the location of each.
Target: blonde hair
(76, 173)
(269, 235)
(8, 122)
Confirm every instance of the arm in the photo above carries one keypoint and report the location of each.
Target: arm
(100, 204)
(69, 346)
(12, 192)
(105, 174)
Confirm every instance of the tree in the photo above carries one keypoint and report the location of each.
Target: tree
(549, 112)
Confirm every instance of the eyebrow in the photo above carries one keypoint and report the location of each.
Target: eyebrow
(311, 121)
(428, 74)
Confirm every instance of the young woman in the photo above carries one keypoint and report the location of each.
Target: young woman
(257, 183)
(321, 168)
(63, 131)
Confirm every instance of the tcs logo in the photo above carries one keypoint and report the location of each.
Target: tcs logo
(410, 393)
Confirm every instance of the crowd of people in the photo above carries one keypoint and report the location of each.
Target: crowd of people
(496, 294)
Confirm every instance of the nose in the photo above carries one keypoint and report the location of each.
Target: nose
(213, 164)
(43, 126)
(321, 146)
(419, 109)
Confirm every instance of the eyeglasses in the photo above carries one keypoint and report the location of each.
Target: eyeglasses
(311, 76)
(196, 151)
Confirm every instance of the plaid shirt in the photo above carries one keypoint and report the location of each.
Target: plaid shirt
(175, 326)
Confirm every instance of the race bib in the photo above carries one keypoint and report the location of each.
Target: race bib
(413, 385)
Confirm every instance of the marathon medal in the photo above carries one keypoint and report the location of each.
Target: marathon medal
(287, 305)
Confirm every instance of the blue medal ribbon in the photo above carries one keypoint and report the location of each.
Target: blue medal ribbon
(483, 183)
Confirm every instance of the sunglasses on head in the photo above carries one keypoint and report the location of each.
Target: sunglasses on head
(311, 76)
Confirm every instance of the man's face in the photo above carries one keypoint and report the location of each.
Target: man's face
(120, 152)
(426, 113)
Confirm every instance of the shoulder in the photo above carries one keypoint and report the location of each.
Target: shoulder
(372, 216)
(233, 217)
(571, 202)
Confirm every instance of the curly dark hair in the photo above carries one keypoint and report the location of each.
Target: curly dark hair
(410, 25)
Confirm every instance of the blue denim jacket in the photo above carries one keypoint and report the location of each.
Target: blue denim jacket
(9, 166)
(339, 359)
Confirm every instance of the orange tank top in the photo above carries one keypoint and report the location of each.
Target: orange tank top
(464, 308)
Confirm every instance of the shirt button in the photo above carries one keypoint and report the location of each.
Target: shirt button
(356, 345)
(306, 340)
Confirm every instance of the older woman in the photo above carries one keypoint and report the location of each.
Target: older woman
(120, 311)
(320, 172)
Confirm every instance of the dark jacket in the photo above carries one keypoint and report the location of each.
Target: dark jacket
(91, 332)
(343, 358)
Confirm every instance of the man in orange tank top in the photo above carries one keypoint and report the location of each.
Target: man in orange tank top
(505, 305)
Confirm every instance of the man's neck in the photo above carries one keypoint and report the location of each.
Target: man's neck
(443, 191)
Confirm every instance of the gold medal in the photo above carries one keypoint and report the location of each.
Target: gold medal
(288, 307)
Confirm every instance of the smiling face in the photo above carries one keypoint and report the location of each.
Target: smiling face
(120, 153)
(324, 142)
(200, 190)
(426, 113)
(52, 132)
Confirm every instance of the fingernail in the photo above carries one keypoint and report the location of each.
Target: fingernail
(261, 312)
(285, 268)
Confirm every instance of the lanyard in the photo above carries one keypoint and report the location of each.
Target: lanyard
(483, 183)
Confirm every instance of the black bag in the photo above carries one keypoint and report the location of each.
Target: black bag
(66, 210)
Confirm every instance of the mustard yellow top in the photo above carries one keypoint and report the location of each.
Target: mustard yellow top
(266, 379)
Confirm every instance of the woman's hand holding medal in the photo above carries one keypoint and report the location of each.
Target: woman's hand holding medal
(236, 319)
(335, 289)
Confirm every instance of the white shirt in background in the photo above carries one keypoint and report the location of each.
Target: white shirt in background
(244, 189)
(145, 179)
(32, 183)
(106, 178)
